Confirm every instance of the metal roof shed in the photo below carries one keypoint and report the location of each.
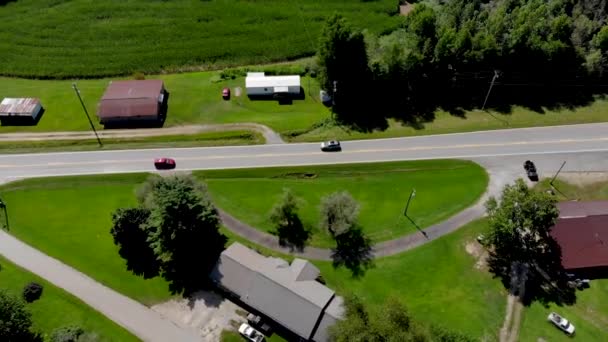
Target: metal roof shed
(258, 84)
(288, 294)
(22, 108)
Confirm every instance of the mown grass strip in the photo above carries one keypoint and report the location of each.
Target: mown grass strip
(230, 138)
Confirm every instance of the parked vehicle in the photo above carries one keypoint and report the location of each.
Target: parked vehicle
(258, 323)
(331, 146)
(226, 94)
(164, 163)
(250, 333)
(531, 170)
(561, 323)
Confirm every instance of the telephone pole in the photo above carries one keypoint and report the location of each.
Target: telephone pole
(490, 89)
(87, 114)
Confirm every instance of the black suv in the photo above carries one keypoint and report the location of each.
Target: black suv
(531, 171)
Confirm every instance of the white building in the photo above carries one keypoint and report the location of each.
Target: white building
(258, 84)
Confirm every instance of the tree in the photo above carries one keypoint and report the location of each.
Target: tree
(128, 231)
(15, 320)
(339, 213)
(32, 292)
(289, 227)
(522, 252)
(183, 231)
(343, 68)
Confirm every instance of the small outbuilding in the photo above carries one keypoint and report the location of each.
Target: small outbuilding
(258, 84)
(133, 101)
(20, 109)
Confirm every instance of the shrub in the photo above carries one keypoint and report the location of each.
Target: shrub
(139, 76)
(67, 334)
(32, 292)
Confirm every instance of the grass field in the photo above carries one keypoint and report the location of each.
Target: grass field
(443, 188)
(228, 138)
(56, 308)
(69, 218)
(195, 99)
(50, 38)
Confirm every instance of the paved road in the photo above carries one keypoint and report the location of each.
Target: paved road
(500, 151)
(543, 140)
(140, 320)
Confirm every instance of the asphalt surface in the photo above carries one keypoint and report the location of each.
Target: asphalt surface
(583, 147)
(529, 141)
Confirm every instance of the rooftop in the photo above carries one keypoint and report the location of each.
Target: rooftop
(288, 294)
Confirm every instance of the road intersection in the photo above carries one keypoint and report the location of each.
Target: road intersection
(583, 147)
(501, 143)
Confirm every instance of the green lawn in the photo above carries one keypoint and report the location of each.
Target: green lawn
(226, 138)
(56, 308)
(69, 218)
(195, 99)
(443, 188)
(50, 38)
(438, 282)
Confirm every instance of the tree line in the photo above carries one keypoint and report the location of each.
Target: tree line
(446, 53)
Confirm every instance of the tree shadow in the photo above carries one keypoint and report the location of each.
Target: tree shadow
(413, 102)
(4, 2)
(535, 276)
(209, 298)
(354, 251)
(292, 235)
(189, 269)
(131, 239)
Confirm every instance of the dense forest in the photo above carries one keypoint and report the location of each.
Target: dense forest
(535, 53)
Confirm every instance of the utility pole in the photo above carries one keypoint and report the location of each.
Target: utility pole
(490, 89)
(412, 194)
(558, 171)
(87, 114)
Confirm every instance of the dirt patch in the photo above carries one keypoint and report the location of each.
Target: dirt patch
(206, 312)
(583, 178)
(405, 8)
(476, 250)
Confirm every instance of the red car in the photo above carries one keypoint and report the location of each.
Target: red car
(164, 163)
(226, 93)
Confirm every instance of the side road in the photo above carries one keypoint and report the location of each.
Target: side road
(270, 136)
(498, 179)
(501, 170)
(141, 321)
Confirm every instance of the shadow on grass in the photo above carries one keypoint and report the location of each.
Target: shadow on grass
(22, 121)
(414, 102)
(537, 277)
(354, 251)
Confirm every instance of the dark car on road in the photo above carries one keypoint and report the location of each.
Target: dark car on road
(531, 170)
(331, 146)
(164, 163)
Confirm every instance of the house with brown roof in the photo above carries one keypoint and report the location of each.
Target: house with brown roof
(133, 101)
(582, 234)
(288, 294)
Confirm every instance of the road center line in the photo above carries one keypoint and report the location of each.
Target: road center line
(292, 154)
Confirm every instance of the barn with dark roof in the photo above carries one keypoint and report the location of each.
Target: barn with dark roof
(582, 234)
(133, 101)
